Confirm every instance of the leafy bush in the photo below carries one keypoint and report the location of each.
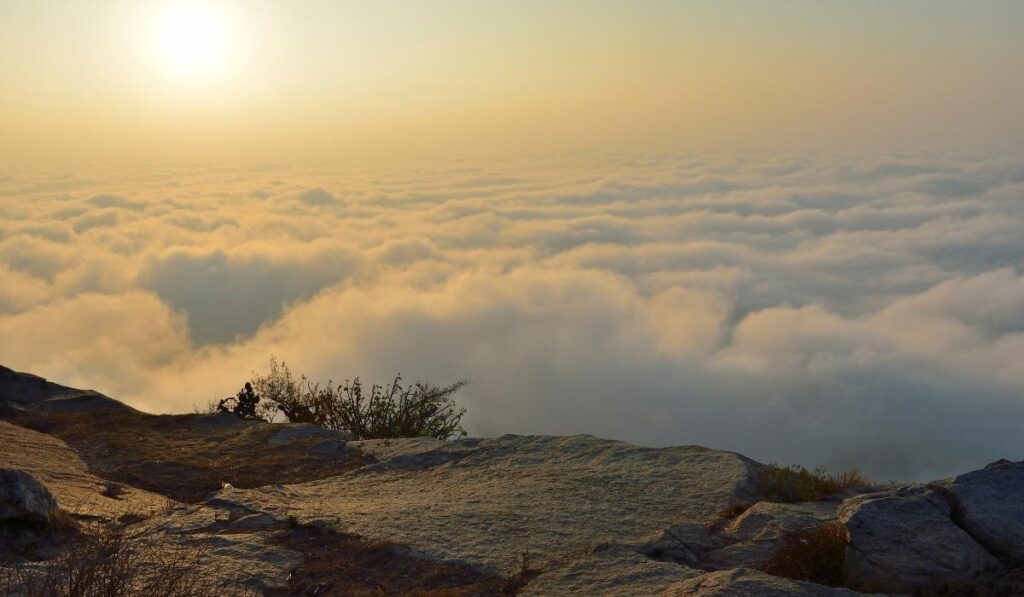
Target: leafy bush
(797, 484)
(388, 411)
(815, 554)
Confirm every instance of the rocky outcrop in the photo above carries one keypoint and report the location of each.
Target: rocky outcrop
(24, 499)
(483, 501)
(592, 516)
(989, 505)
(743, 582)
(905, 540)
(19, 390)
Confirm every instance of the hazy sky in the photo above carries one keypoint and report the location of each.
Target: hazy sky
(791, 229)
(383, 78)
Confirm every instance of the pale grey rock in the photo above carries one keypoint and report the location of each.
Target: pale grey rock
(237, 543)
(483, 501)
(990, 506)
(23, 498)
(612, 571)
(248, 559)
(743, 582)
(904, 540)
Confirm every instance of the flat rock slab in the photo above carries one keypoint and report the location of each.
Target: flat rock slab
(483, 502)
(617, 570)
(904, 540)
(742, 582)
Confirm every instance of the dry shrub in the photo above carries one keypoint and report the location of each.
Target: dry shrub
(815, 554)
(385, 411)
(114, 561)
(795, 483)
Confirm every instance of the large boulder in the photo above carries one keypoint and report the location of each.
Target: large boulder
(743, 582)
(904, 540)
(989, 504)
(23, 499)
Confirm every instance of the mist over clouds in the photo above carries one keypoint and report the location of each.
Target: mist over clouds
(865, 313)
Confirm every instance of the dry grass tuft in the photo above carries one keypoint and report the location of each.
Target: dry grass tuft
(795, 483)
(114, 562)
(815, 554)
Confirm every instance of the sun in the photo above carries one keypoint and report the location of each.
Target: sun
(192, 40)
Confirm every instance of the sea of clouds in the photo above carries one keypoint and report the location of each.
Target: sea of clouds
(829, 311)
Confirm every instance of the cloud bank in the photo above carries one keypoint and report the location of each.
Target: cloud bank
(840, 312)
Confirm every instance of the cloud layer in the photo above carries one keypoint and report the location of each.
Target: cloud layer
(840, 312)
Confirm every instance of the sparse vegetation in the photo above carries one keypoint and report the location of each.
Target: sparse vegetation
(815, 554)
(795, 483)
(385, 411)
(114, 561)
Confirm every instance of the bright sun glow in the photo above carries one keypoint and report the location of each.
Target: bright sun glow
(193, 41)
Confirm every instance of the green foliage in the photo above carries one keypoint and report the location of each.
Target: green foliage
(385, 411)
(815, 554)
(795, 483)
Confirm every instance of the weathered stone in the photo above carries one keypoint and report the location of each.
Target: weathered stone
(743, 582)
(23, 498)
(482, 501)
(616, 570)
(904, 540)
(752, 537)
(990, 506)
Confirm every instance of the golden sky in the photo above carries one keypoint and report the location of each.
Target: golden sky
(324, 79)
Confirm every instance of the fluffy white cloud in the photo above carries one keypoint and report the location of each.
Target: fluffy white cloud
(865, 313)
